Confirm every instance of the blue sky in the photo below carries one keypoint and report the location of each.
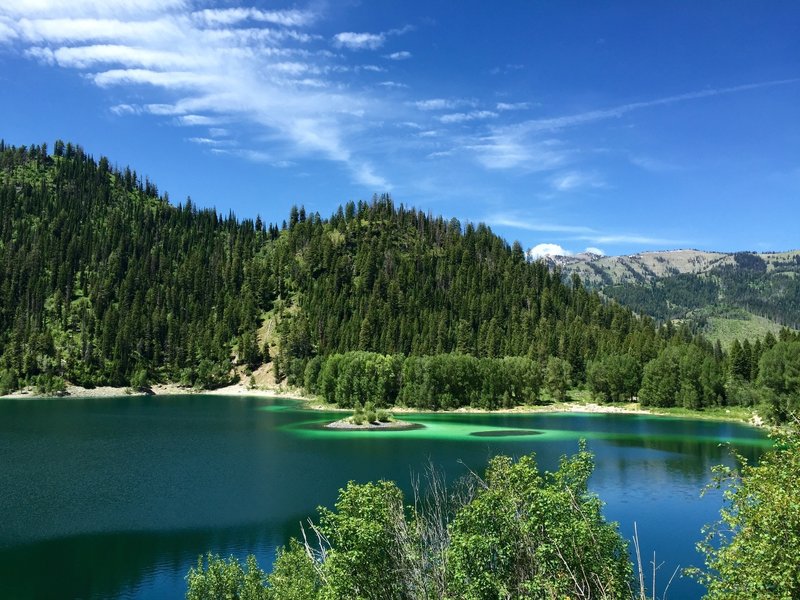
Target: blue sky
(620, 126)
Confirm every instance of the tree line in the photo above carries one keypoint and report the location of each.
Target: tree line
(682, 374)
(439, 382)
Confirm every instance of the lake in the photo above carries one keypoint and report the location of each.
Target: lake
(117, 497)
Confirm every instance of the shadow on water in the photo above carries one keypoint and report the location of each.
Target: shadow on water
(130, 564)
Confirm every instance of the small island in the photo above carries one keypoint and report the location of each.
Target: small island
(365, 417)
(392, 425)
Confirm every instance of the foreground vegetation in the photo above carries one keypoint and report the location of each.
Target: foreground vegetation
(515, 532)
(754, 550)
(519, 533)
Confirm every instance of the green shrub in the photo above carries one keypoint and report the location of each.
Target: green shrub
(369, 412)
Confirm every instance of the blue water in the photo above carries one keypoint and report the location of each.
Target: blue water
(116, 498)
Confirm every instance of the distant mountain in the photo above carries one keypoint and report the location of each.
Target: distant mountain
(761, 291)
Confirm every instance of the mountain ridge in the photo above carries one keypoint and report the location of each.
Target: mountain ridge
(759, 291)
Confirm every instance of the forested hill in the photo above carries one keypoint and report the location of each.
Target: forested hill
(391, 280)
(103, 281)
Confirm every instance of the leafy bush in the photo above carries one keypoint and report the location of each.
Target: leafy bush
(517, 533)
(754, 550)
(216, 578)
(369, 412)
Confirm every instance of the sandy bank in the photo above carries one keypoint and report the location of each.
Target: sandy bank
(162, 389)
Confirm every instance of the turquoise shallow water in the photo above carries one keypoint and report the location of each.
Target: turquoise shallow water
(116, 498)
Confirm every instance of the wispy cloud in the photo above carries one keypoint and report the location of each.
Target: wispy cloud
(633, 238)
(578, 232)
(402, 55)
(504, 149)
(215, 69)
(442, 103)
(519, 221)
(561, 122)
(233, 16)
(506, 106)
(530, 144)
(473, 115)
(572, 180)
(359, 41)
(369, 41)
(392, 84)
(506, 69)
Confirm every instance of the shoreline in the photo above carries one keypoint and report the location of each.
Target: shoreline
(576, 407)
(161, 389)
(314, 404)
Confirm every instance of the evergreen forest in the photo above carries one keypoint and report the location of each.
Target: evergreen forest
(105, 281)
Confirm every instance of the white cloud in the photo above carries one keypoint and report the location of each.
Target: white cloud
(83, 57)
(505, 69)
(442, 103)
(232, 16)
(7, 32)
(81, 30)
(541, 250)
(468, 116)
(593, 250)
(95, 8)
(518, 221)
(205, 141)
(126, 109)
(359, 41)
(392, 84)
(572, 180)
(505, 149)
(506, 106)
(402, 55)
(365, 175)
(365, 40)
(164, 79)
(200, 66)
(196, 120)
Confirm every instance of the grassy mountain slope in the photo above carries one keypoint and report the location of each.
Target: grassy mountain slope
(730, 295)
